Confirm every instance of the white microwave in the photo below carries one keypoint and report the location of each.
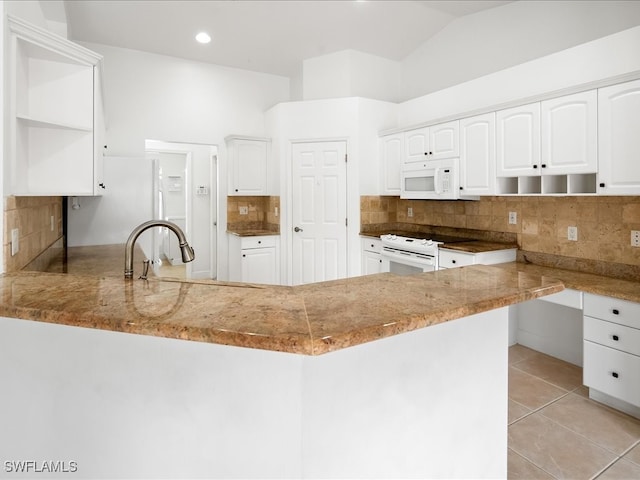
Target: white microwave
(431, 180)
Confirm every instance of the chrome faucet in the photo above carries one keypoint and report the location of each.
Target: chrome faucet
(187, 251)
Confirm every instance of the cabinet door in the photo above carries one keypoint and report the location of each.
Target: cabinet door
(391, 156)
(569, 134)
(259, 265)
(444, 141)
(478, 155)
(416, 144)
(371, 263)
(518, 141)
(98, 135)
(249, 167)
(619, 139)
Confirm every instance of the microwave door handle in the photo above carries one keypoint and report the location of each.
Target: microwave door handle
(436, 180)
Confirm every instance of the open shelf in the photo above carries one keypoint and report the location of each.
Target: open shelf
(573, 184)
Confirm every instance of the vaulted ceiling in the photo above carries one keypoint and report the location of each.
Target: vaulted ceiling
(264, 35)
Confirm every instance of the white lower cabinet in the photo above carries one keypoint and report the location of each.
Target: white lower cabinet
(456, 258)
(612, 351)
(371, 259)
(254, 259)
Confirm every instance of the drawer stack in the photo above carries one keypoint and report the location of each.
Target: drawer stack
(612, 347)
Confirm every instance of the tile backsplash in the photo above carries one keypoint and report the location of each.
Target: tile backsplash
(32, 217)
(261, 213)
(604, 223)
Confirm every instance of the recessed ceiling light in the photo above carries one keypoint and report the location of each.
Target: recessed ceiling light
(203, 37)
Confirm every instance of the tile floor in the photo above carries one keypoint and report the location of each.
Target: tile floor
(557, 432)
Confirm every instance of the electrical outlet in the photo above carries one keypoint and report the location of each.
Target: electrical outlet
(572, 234)
(276, 212)
(244, 210)
(513, 218)
(53, 223)
(15, 241)
(635, 238)
(409, 212)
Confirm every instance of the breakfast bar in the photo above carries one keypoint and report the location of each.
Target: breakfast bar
(377, 376)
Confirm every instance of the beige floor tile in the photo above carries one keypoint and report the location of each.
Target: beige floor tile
(582, 391)
(608, 428)
(517, 353)
(556, 449)
(530, 391)
(621, 470)
(557, 372)
(521, 468)
(517, 411)
(634, 455)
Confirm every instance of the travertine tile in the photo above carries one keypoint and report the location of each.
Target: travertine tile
(634, 455)
(621, 470)
(530, 391)
(604, 426)
(518, 352)
(519, 467)
(557, 372)
(556, 449)
(516, 411)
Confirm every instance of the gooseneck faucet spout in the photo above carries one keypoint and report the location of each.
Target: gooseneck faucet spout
(187, 251)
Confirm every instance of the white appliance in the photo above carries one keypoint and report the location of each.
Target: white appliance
(406, 255)
(431, 180)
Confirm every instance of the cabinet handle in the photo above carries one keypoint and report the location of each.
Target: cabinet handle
(616, 311)
(426, 153)
(544, 165)
(244, 254)
(259, 242)
(615, 374)
(615, 338)
(430, 153)
(535, 166)
(602, 185)
(461, 188)
(101, 185)
(372, 245)
(453, 261)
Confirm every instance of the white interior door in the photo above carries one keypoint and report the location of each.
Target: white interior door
(319, 211)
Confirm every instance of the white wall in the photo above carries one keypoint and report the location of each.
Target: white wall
(149, 96)
(350, 73)
(590, 62)
(495, 39)
(356, 120)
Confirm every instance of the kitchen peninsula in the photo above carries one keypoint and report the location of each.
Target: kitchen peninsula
(342, 379)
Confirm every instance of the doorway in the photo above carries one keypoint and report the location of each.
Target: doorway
(185, 193)
(319, 211)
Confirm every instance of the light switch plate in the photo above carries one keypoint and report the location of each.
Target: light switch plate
(572, 234)
(409, 212)
(15, 241)
(513, 218)
(244, 210)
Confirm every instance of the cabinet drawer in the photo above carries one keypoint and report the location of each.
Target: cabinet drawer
(611, 309)
(449, 259)
(612, 335)
(612, 372)
(370, 244)
(258, 242)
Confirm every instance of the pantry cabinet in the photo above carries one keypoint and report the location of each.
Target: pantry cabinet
(391, 154)
(619, 139)
(254, 259)
(248, 165)
(612, 350)
(56, 125)
(432, 143)
(371, 255)
(478, 155)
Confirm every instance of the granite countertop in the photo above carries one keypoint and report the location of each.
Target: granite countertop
(478, 246)
(309, 319)
(252, 233)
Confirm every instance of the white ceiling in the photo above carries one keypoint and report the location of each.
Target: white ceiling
(265, 35)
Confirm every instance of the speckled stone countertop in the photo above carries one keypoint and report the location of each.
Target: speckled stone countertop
(478, 246)
(252, 233)
(309, 319)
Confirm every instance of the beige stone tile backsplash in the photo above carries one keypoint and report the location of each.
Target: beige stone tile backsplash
(261, 212)
(32, 217)
(604, 223)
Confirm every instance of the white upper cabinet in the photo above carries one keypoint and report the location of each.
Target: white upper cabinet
(53, 125)
(478, 155)
(391, 155)
(619, 139)
(518, 141)
(570, 134)
(432, 143)
(248, 165)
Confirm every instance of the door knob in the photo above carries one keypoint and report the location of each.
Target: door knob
(297, 229)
